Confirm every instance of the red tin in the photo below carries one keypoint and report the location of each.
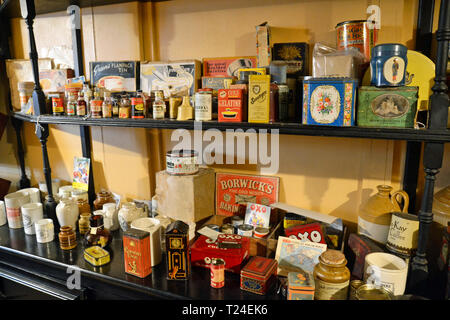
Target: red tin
(258, 275)
(360, 34)
(229, 241)
(309, 232)
(232, 105)
(217, 273)
(136, 250)
(204, 250)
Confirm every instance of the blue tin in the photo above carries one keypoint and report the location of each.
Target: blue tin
(329, 101)
(388, 65)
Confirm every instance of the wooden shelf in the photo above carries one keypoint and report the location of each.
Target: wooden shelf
(283, 128)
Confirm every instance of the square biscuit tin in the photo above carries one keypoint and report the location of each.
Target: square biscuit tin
(258, 275)
(329, 101)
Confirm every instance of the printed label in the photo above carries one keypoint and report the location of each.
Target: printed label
(331, 291)
(203, 107)
(58, 105)
(394, 70)
(403, 233)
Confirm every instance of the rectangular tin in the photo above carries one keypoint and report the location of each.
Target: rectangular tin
(308, 232)
(96, 256)
(329, 101)
(215, 83)
(387, 107)
(258, 275)
(259, 99)
(301, 286)
(136, 250)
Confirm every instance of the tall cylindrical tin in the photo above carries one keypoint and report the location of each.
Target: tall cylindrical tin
(360, 34)
(388, 65)
(203, 105)
(283, 102)
(217, 273)
(403, 234)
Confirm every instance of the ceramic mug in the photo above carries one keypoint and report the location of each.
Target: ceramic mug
(13, 202)
(386, 270)
(31, 212)
(152, 226)
(45, 231)
(34, 193)
(2, 213)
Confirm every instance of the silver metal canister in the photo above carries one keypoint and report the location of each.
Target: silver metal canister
(203, 105)
(245, 230)
(182, 162)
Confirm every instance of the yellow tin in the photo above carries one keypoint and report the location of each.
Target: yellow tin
(259, 98)
(96, 256)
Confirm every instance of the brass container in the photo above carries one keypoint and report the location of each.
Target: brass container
(67, 238)
(354, 285)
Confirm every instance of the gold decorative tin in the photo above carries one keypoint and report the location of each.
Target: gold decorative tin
(96, 256)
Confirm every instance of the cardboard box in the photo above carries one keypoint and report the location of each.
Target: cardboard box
(232, 105)
(175, 78)
(115, 76)
(215, 83)
(259, 99)
(259, 275)
(227, 67)
(263, 45)
(204, 250)
(19, 70)
(189, 198)
(295, 54)
(54, 80)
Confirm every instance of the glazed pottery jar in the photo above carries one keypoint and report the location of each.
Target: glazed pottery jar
(31, 212)
(375, 215)
(67, 238)
(127, 214)
(83, 206)
(67, 213)
(102, 198)
(331, 276)
(112, 214)
(83, 223)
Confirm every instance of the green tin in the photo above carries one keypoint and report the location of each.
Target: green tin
(387, 107)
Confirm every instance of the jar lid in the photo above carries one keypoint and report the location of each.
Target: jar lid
(333, 257)
(96, 221)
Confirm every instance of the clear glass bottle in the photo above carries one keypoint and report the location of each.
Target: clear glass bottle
(107, 105)
(115, 107)
(71, 106)
(81, 105)
(97, 235)
(159, 106)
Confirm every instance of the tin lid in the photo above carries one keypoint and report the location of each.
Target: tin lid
(136, 234)
(245, 227)
(354, 21)
(96, 252)
(260, 268)
(185, 153)
(333, 258)
(372, 292)
(260, 230)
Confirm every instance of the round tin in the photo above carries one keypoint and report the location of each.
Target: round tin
(203, 105)
(360, 34)
(236, 221)
(261, 232)
(227, 228)
(388, 65)
(215, 227)
(217, 273)
(245, 230)
(403, 233)
(182, 162)
(372, 292)
(354, 285)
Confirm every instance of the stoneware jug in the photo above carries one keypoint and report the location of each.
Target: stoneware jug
(375, 215)
(127, 214)
(67, 213)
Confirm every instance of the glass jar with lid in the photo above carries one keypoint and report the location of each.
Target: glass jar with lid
(331, 276)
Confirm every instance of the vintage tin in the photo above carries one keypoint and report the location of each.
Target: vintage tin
(229, 241)
(228, 66)
(136, 250)
(96, 256)
(387, 107)
(217, 273)
(227, 228)
(372, 292)
(57, 103)
(245, 230)
(354, 285)
(388, 65)
(232, 105)
(403, 234)
(291, 219)
(300, 286)
(177, 251)
(258, 275)
(295, 55)
(329, 101)
(360, 34)
(216, 83)
(182, 162)
(308, 232)
(283, 102)
(137, 108)
(204, 250)
(203, 105)
(259, 99)
(261, 232)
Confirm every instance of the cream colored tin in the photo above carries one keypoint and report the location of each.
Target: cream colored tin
(403, 233)
(182, 162)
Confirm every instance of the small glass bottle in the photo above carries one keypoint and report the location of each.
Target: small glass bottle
(107, 105)
(96, 106)
(124, 108)
(159, 106)
(97, 235)
(331, 276)
(71, 106)
(87, 93)
(81, 105)
(115, 107)
(138, 106)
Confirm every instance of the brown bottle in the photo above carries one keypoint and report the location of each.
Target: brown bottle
(97, 234)
(67, 238)
(83, 206)
(102, 198)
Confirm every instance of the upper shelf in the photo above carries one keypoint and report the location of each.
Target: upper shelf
(284, 128)
(12, 7)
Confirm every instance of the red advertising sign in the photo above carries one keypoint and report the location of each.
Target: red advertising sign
(235, 189)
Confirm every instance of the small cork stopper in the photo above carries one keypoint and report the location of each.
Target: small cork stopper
(333, 257)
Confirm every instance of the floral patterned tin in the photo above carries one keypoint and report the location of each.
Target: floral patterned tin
(329, 101)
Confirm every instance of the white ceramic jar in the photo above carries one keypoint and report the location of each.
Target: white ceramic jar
(34, 193)
(2, 213)
(127, 214)
(67, 213)
(152, 226)
(45, 230)
(31, 212)
(13, 202)
(111, 213)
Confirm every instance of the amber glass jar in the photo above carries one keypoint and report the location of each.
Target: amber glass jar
(83, 206)
(67, 238)
(97, 234)
(84, 223)
(331, 276)
(102, 198)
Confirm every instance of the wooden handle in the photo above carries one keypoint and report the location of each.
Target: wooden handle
(405, 197)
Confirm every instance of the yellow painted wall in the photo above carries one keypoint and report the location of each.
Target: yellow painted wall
(330, 175)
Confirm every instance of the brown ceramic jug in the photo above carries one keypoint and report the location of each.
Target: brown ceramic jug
(375, 215)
